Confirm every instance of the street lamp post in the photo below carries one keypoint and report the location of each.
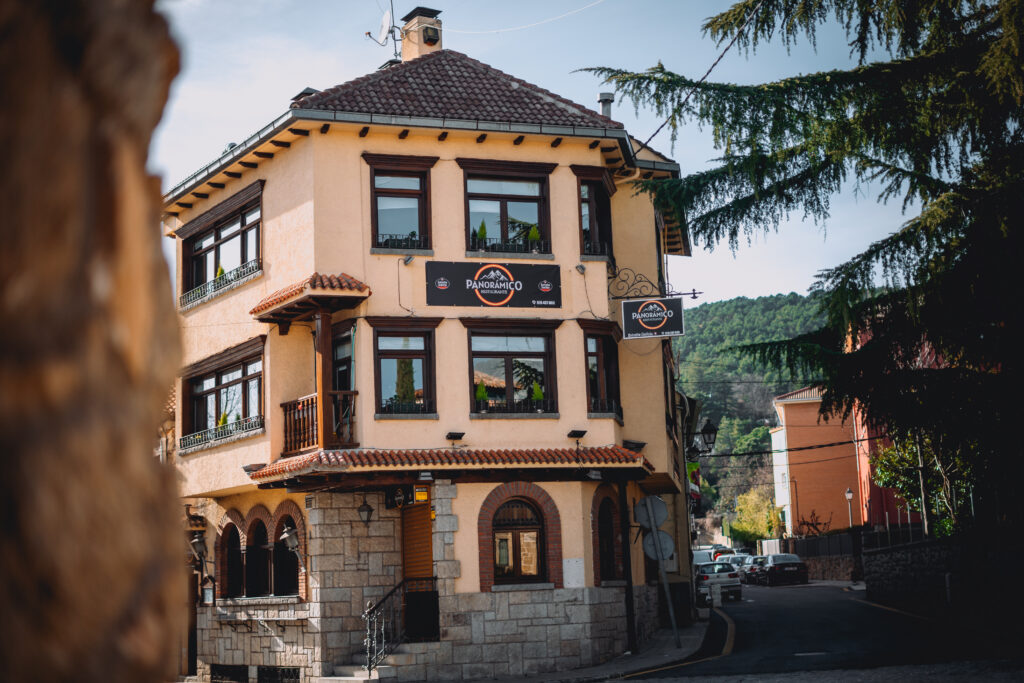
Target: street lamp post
(849, 504)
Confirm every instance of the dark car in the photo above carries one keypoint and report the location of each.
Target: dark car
(750, 572)
(783, 568)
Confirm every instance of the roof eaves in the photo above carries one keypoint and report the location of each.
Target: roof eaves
(229, 157)
(281, 123)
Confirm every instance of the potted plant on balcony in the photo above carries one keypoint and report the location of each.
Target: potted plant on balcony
(533, 237)
(481, 397)
(538, 397)
(481, 235)
(219, 273)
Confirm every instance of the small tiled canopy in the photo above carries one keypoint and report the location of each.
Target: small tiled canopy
(302, 299)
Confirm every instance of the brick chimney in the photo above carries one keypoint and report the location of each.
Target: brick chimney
(421, 33)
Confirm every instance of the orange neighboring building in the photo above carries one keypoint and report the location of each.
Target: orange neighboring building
(810, 485)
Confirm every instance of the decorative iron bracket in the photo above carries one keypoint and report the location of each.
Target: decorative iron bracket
(626, 283)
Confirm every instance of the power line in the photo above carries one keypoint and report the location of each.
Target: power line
(520, 28)
(706, 74)
(791, 450)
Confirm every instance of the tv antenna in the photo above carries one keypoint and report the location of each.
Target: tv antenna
(387, 30)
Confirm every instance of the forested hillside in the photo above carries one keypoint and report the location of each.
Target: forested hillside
(736, 392)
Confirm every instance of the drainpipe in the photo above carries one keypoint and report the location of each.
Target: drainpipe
(628, 569)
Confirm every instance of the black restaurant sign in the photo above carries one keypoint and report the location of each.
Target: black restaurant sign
(495, 285)
(652, 318)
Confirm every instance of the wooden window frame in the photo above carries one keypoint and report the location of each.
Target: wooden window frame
(407, 167)
(499, 327)
(515, 551)
(192, 252)
(406, 327)
(241, 354)
(602, 188)
(490, 169)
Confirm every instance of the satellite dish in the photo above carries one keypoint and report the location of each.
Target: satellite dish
(385, 27)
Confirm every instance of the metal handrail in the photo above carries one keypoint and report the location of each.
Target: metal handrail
(385, 624)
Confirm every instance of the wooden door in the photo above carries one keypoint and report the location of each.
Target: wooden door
(417, 546)
(422, 618)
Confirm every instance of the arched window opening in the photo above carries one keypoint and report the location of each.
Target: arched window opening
(286, 563)
(232, 562)
(518, 543)
(606, 540)
(257, 561)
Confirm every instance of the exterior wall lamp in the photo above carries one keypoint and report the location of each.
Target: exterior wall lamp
(290, 538)
(365, 511)
(708, 434)
(849, 504)
(197, 544)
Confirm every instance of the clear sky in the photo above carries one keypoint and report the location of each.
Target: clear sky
(242, 61)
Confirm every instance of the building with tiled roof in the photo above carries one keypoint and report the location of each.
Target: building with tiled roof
(405, 383)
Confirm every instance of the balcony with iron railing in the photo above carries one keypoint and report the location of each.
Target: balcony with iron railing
(208, 290)
(511, 246)
(605, 406)
(523, 407)
(302, 423)
(402, 242)
(220, 433)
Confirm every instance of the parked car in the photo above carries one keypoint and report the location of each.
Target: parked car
(721, 551)
(737, 560)
(751, 569)
(702, 557)
(784, 568)
(718, 574)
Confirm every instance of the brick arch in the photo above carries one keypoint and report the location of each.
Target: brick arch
(606, 492)
(552, 529)
(261, 513)
(288, 508)
(233, 518)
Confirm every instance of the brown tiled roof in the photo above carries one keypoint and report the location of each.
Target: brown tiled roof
(448, 84)
(362, 460)
(339, 282)
(805, 394)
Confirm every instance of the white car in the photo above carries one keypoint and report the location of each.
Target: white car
(736, 560)
(718, 574)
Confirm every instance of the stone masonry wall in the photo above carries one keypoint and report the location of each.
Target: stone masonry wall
(518, 632)
(268, 631)
(350, 564)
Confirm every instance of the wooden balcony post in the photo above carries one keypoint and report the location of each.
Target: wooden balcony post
(324, 406)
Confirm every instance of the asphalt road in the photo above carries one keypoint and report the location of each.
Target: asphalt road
(813, 628)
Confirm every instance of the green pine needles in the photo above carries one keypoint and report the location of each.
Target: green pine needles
(918, 328)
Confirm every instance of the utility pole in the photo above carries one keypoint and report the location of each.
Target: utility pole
(924, 490)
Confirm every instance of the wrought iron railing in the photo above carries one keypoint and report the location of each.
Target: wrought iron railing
(302, 422)
(605, 405)
(497, 244)
(401, 242)
(546, 405)
(213, 286)
(386, 620)
(396, 407)
(595, 248)
(218, 433)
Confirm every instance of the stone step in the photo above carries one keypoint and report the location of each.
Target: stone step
(356, 672)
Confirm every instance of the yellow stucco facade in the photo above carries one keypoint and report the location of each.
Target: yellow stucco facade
(316, 216)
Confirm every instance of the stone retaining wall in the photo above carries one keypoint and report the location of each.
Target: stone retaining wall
(835, 568)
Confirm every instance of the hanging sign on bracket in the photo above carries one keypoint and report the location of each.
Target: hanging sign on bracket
(655, 317)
